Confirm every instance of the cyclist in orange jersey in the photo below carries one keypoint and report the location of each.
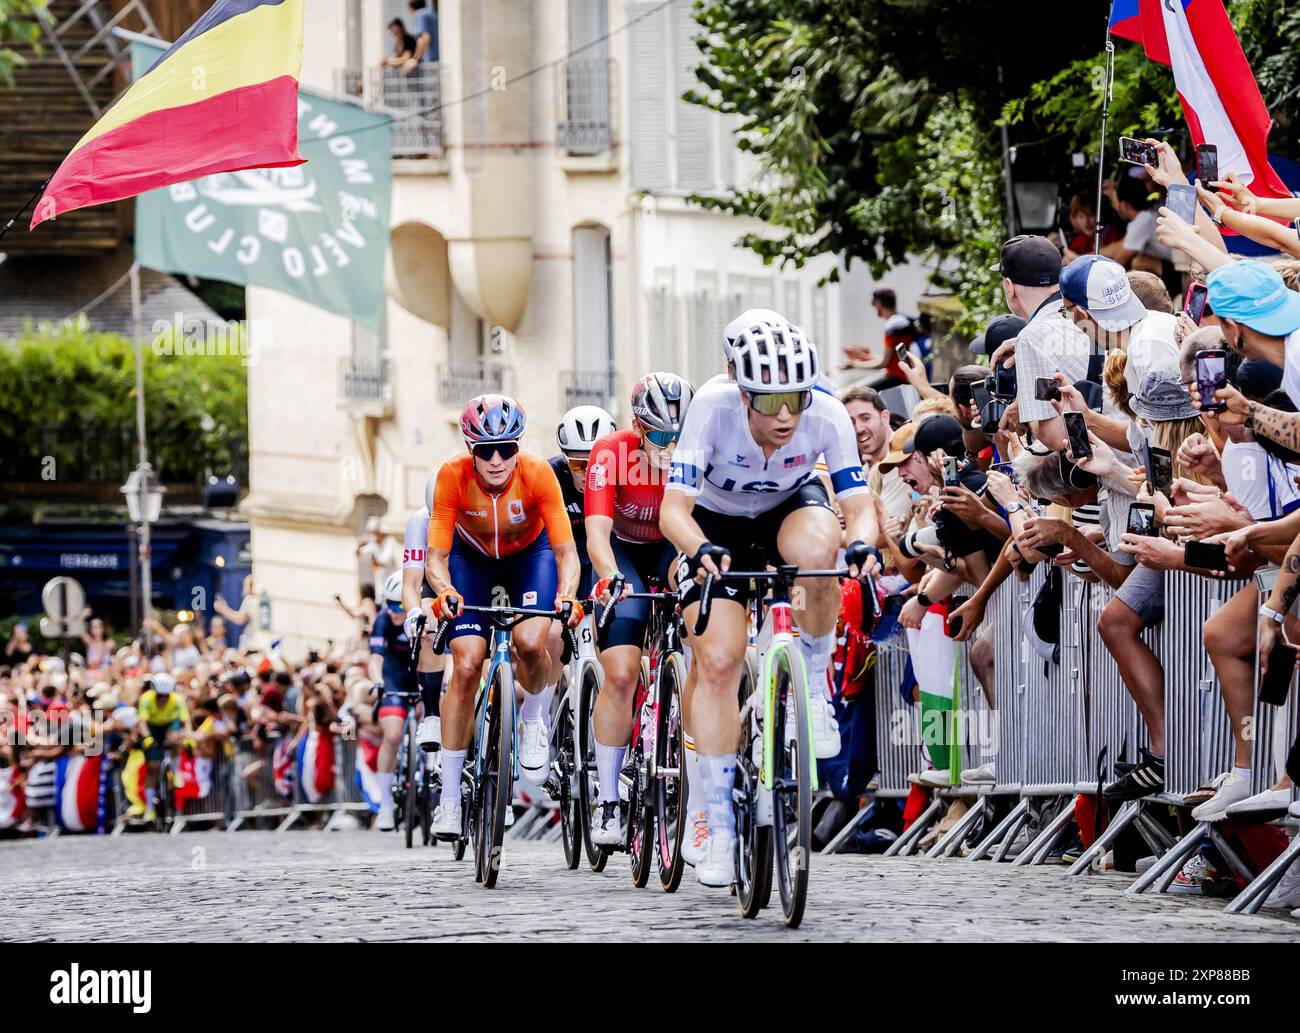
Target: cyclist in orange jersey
(498, 519)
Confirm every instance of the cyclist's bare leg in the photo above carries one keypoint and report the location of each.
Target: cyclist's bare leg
(810, 538)
(466, 668)
(717, 658)
(391, 727)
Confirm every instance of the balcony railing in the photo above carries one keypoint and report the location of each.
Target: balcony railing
(586, 387)
(362, 380)
(458, 384)
(584, 121)
(413, 98)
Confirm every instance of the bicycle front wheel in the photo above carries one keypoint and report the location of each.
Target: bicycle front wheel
(566, 740)
(791, 786)
(670, 772)
(588, 690)
(754, 856)
(407, 778)
(497, 788)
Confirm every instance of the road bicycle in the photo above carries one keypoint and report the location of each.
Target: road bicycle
(775, 777)
(571, 785)
(410, 780)
(492, 761)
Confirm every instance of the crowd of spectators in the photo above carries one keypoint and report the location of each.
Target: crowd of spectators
(1099, 429)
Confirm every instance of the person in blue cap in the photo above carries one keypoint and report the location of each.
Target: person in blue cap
(1261, 320)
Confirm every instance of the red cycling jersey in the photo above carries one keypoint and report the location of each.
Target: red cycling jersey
(622, 484)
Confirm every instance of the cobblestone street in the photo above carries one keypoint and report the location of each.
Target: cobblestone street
(366, 886)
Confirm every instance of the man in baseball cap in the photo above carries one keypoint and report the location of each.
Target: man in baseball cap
(1049, 342)
(1099, 298)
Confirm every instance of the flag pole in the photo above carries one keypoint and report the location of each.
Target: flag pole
(1108, 87)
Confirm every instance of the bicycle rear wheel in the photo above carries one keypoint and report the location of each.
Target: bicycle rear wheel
(588, 690)
(791, 788)
(754, 856)
(406, 778)
(670, 756)
(496, 783)
(566, 758)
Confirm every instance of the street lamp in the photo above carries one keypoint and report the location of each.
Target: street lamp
(144, 493)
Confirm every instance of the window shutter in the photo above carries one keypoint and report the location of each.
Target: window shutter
(791, 308)
(591, 301)
(648, 66)
(695, 125)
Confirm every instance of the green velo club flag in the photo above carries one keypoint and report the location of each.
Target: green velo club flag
(318, 231)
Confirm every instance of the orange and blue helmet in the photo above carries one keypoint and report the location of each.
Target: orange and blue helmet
(492, 418)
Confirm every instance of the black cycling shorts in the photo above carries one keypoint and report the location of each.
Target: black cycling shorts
(750, 540)
(644, 565)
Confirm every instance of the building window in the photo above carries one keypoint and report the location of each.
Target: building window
(591, 379)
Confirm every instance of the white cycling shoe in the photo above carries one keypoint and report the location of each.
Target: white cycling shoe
(826, 730)
(695, 839)
(446, 820)
(534, 749)
(606, 830)
(386, 819)
(429, 735)
(717, 867)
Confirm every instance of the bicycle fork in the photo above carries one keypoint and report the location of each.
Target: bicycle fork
(781, 615)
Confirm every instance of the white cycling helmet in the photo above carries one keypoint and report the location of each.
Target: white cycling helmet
(393, 587)
(162, 683)
(582, 426)
(743, 322)
(428, 490)
(772, 358)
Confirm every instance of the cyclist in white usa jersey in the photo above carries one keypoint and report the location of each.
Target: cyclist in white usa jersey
(742, 493)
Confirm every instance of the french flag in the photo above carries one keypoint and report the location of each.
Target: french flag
(1215, 84)
(316, 765)
(76, 793)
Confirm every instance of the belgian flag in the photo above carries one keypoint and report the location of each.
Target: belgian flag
(223, 98)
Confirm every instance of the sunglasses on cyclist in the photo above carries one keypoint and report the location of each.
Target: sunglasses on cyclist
(661, 438)
(578, 463)
(487, 449)
(771, 404)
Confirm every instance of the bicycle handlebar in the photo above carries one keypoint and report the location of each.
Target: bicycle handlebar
(615, 591)
(503, 617)
(783, 573)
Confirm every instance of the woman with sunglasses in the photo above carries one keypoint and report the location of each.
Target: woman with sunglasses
(498, 520)
(625, 484)
(743, 491)
(579, 429)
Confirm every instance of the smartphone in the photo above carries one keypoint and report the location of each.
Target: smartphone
(1138, 152)
(1195, 304)
(1076, 428)
(1160, 470)
(1275, 686)
(1142, 519)
(1007, 469)
(952, 625)
(900, 351)
(951, 467)
(1004, 382)
(1211, 376)
(1046, 389)
(1207, 164)
(1204, 556)
(1181, 200)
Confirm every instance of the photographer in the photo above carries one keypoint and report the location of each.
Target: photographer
(1049, 343)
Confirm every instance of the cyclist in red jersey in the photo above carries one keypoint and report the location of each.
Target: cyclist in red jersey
(626, 475)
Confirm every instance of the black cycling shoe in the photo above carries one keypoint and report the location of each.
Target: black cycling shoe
(1146, 778)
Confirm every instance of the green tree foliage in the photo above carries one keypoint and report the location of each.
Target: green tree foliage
(66, 393)
(875, 123)
(19, 27)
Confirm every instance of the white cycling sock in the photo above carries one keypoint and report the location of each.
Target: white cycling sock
(1242, 773)
(537, 707)
(817, 650)
(386, 780)
(452, 762)
(718, 775)
(609, 762)
(695, 802)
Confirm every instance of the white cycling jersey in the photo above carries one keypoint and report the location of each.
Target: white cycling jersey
(718, 460)
(417, 539)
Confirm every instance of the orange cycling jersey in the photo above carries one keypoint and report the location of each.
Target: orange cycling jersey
(504, 523)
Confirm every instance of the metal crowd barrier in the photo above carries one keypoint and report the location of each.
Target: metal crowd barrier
(216, 804)
(259, 798)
